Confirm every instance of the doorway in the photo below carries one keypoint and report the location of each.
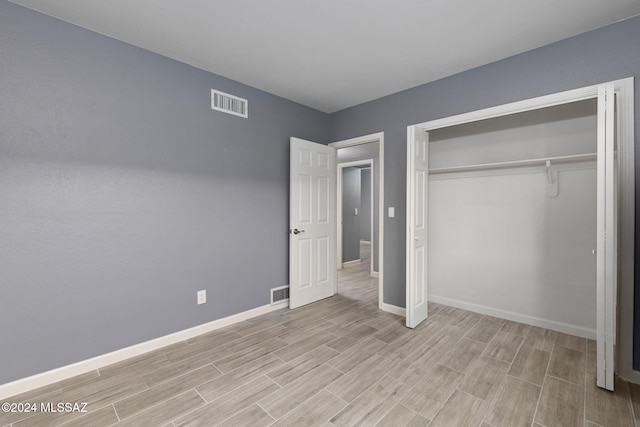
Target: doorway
(614, 183)
(356, 197)
(359, 153)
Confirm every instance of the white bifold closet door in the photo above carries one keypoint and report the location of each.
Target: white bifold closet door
(417, 210)
(607, 238)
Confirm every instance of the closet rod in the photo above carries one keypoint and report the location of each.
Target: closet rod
(517, 163)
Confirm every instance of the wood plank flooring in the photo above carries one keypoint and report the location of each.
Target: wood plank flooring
(343, 362)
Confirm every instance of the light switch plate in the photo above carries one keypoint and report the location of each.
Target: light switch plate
(392, 212)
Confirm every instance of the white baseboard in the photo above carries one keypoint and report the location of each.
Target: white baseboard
(375, 274)
(516, 317)
(64, 372)
(393, 309)
(352, 262)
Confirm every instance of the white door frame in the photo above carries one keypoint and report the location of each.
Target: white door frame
(379, 138)
(341, 166)
(625, 162)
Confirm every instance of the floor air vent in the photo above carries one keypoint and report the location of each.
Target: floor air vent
(230, 104)
(279, 295)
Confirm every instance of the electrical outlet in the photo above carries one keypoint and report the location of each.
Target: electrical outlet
(202, 297)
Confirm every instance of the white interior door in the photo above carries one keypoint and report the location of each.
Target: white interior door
(607, 239)
(312, 222)
(417, 199)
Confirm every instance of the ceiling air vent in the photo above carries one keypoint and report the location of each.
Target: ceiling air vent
(229, 104)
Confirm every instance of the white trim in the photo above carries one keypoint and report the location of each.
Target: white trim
(282, 302)
(359, 140)
(371, 220)
(352, 262)
(393, 309)
(64, 372)
(356, 163)
(545, 101)
(375, 274)
(516, 317)
(379, 137)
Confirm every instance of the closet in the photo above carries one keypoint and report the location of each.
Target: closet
(513, 211)
(512, 216)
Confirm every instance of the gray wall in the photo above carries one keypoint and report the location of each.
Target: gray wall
(365, 204)
(350, 221)
(605, 54)
(122, 193)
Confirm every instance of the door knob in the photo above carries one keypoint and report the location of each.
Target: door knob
(296, 231)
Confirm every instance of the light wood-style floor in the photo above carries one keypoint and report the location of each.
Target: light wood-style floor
(343, 362)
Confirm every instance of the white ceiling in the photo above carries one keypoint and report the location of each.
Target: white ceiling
(331, 55)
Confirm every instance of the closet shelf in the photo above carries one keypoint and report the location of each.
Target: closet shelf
(517, 163)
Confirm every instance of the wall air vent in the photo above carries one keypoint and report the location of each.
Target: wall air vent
(229, 104)
(279, 295)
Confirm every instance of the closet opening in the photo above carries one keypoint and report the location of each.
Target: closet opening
(513, 202)
(515, 212)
